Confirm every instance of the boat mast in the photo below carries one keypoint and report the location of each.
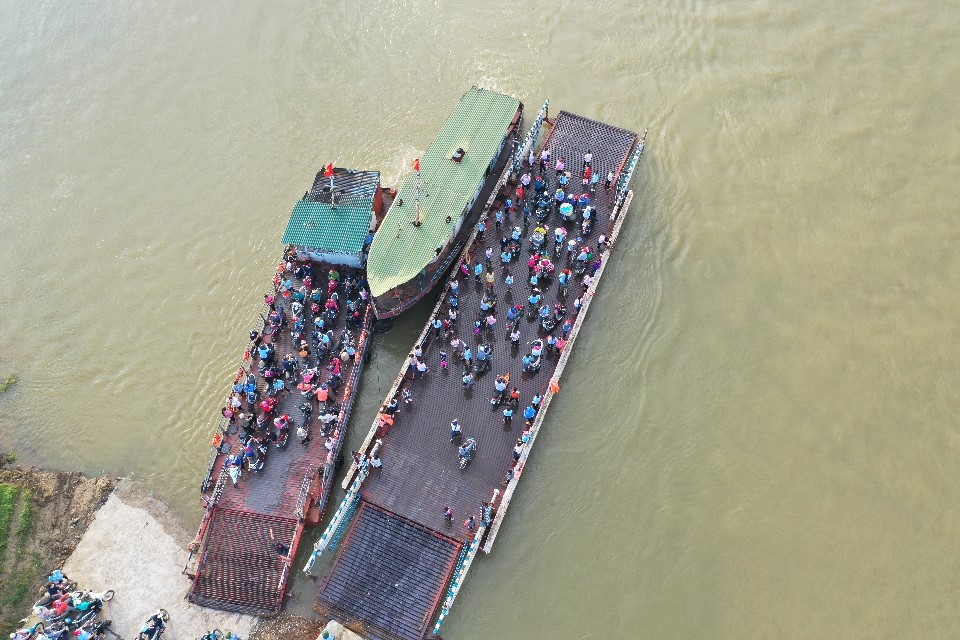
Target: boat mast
(418, 219)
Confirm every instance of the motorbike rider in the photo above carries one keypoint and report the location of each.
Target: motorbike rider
(465, 451)
(153, 627)
(500, 388)
(535, 297)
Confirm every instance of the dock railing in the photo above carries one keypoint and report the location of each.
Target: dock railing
(340, 517)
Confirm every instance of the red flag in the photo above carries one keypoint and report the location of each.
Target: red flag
(416, 165)
(329, 170)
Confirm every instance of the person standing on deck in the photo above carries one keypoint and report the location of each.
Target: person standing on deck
(518, 450)
(544, 159)
(507, 417)
(455, 430)
(448, 515)
(587, 159)
(470, 523)
(529, 414)
(437, 326)
(477, 271)
(608, 181)
(525, 180)
(560, 166)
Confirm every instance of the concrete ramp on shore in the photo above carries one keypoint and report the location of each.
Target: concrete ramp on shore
(134, 547)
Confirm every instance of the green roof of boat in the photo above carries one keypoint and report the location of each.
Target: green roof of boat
(401, 250)
(321, 226)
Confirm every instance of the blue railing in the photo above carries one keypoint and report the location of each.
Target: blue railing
(623, 182)
(531, 140)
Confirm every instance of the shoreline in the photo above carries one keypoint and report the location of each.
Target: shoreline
(44, 516)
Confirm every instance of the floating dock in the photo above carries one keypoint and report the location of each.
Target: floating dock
(399, 562)
(241, 558)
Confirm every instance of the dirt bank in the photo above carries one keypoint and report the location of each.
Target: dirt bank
(287, 627)
(42, 518)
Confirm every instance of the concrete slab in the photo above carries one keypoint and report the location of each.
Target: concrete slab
(135, 547)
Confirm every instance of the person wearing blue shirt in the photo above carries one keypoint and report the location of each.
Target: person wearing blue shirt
(507, 417)
(529, 413)
(478, 271)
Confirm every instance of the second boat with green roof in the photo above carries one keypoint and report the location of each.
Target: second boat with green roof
(436, 208)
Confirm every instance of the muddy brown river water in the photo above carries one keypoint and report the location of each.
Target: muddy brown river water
(758, 436)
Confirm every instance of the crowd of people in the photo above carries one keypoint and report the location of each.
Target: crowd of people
(297, 360)
(557, 205)
(63, 612)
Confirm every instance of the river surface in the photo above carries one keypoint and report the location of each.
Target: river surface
(758, 437)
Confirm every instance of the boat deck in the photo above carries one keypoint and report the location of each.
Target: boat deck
(420, 475)
(393, 587)
(236, 566)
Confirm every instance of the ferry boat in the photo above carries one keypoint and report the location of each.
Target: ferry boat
(437, 207)
(419, 508)
(266, 482)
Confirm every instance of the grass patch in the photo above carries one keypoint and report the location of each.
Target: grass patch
(8, 503)
(8, 382)
(15, 591)
(25, 523)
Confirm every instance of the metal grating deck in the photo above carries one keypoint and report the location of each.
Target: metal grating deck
(389, 577)
(242, 572)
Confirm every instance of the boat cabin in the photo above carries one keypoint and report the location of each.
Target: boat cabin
(333, 221)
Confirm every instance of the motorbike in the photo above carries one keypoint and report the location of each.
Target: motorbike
(499, 395)
(533, 301)
(466, 452)
(154, 626)
(548, 323)
(304, 431)
(282, 437)
(536, 241)
(257, 461)
(531, 362)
